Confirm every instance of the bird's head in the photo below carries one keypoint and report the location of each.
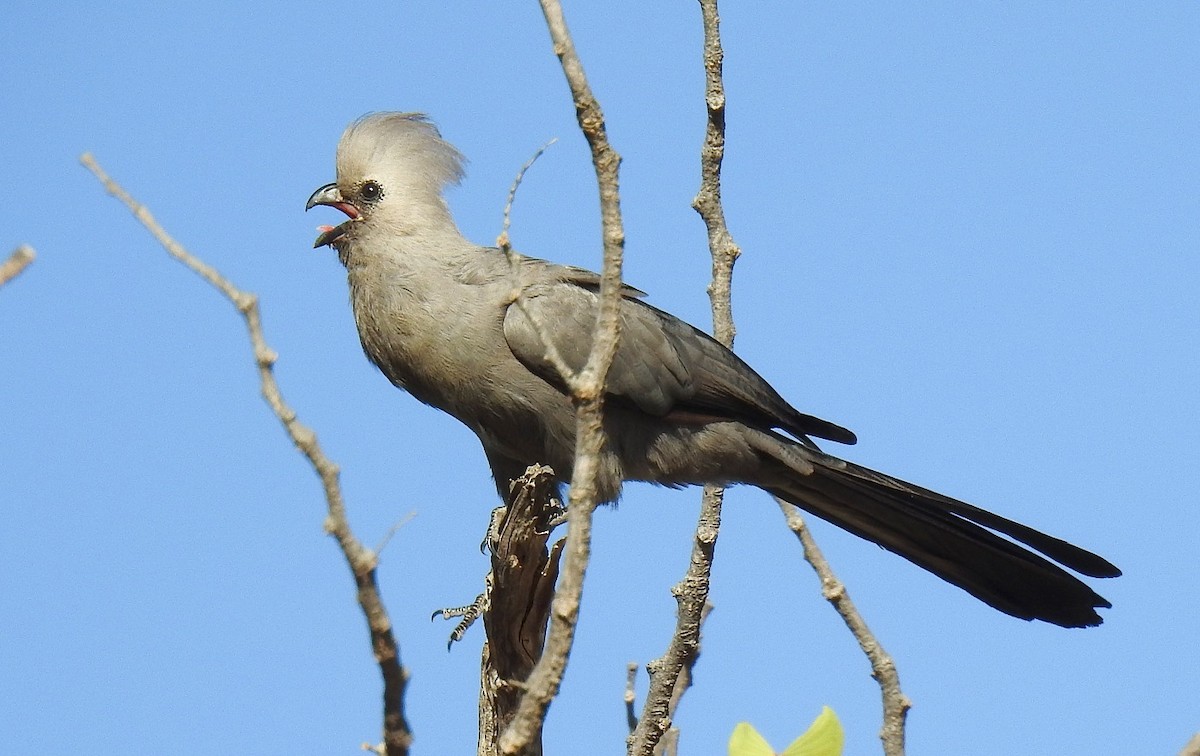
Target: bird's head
(391, 170)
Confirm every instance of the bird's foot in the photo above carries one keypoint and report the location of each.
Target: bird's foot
(552, 517)
(557, 516)
(467, 614)
(492, 536)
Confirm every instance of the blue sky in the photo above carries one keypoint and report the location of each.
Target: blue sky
(970, 234)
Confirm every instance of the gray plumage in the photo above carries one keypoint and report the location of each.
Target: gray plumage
(435, 313)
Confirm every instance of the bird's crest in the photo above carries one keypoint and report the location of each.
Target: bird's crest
(406, 145)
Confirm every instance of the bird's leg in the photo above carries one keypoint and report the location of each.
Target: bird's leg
(468, 613)
(493, 529)
(517, 537)
(556, 515)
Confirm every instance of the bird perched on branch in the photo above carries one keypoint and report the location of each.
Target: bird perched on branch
(438, 316)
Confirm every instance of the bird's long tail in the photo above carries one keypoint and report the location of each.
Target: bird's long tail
(954, 541)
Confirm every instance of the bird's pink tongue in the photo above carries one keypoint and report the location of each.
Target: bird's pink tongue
(329, 234)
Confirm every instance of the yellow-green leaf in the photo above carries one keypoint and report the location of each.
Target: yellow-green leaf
(746, 741)
(823, 738)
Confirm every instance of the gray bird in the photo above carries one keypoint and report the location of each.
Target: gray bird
(436, 314)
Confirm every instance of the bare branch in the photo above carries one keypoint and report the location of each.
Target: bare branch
(504, 243)
(387, 537)
(883, 669)
(1193, 746)
(397, 736)
(708, 201)
(521, 584)
(607, 164)
(671, 674)
(668, 743)
(588, 394)
(630, 697)
(18, 261)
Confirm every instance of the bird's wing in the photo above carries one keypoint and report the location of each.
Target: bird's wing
(663, 366)
(587, 279)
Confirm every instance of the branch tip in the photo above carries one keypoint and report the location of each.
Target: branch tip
(18, 261)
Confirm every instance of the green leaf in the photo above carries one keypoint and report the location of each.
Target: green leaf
(746, 741)
(824, 737)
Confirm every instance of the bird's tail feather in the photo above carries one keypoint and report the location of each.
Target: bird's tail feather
(945, 536)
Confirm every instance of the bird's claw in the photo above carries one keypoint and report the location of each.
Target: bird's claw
(468, 614)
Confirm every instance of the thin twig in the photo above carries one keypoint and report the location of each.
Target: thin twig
(18, 261)
(630, 697)
(883, 669)
(396, 734)
(671, 673)
(504, 243)
(387, 537)
(588, 394)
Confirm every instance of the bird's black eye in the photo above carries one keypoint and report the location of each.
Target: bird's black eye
(371, 191)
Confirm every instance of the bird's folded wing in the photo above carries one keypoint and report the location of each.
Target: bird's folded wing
(662, 364)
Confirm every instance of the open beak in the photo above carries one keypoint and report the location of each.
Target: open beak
(332, 196)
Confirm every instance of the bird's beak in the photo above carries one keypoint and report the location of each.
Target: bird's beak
(332, 196)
